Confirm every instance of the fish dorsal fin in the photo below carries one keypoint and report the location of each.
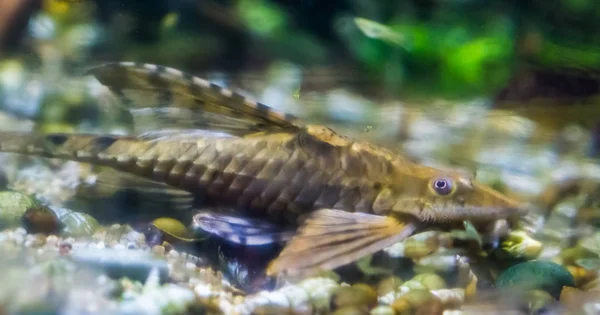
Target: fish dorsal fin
(151, 119)
(331, 238)
(145, 86)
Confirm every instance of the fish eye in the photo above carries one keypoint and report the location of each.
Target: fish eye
(442, 186)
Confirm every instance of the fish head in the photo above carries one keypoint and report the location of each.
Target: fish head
(451, 196)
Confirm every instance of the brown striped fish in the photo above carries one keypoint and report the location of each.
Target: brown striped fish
(332, 198)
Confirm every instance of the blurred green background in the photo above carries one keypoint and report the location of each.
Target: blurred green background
(330, 60)
(450, 48)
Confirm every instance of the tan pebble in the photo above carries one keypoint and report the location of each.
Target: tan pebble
(575, 300)
(401, 306)
(203, 290)
(539, 299)
(352, 310)
(431, 281)
(450, 298)
(582, 275)
(383, 310)
(238, 299)
(51, 241)
(190, 266)
(99, 236)
(178, 276)
(115, 227)
(418, 247)
(358, 295)
(368, 293)
(414, 285)
(141, 239)
(413, 300)
(388, 285)
(593, 285)
(36, 240)
(434, 307)
(158, 250)
(173, 254)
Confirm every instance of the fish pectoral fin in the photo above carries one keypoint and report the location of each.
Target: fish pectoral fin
(239, 230)
(332, 238)
(110, 181)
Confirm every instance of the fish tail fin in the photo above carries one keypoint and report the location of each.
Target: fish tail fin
(148, 85)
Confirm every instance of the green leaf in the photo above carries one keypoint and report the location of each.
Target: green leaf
(379, 31)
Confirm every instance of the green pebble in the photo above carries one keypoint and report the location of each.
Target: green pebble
(13, 206)
(536, 274)
(77, 224)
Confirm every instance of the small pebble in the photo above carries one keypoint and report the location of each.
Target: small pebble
(203, 290)
(35, 241)
(358, 295)
(388, 285)
(190, 266)
(173, 254)
(536, 274)
(420, 301)
(431, 281)
(158, 250)
(51, 241)
(64, 248)
(352, 310)
(383, 310)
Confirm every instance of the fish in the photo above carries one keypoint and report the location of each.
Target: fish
(272, 178)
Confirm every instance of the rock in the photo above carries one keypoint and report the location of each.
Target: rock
(13, 206)
(416, 300)
(539, 300)
(383, 310)
(388, 285)
(76, 224)
(119, 263)
(536, 274)
(40, 219)
(351, 310)
(358, 295)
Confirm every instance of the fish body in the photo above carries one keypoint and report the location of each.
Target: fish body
(343, 198)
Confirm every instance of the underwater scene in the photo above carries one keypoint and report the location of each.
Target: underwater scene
(299, 157)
